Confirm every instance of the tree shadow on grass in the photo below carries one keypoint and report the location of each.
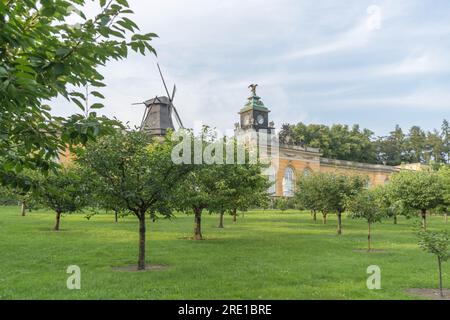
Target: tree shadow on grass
(148, 267)
(432, 294)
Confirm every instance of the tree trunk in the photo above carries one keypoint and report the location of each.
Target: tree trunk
(395, 219)
(315, 215)
(141, 262)
(23, 209)
(58, 218)
(440, 277)
(424, 219)
(234, 215)
(116, 216)
(369, 238)
(221, 220)
(324, 218)
(339, 228)
(198, 224)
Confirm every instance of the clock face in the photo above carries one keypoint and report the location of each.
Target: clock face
(260, 119)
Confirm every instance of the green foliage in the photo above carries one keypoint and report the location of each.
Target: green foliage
(314, 192)
(356, 144)
(444, 174)
(7, 197)
(418, 190)
(336, 142)
(134, 170)
(329, 192)
(137, 173)
(388, 204)
(43, 56)
(61, 191)
(435, 242)
(221, 188)
(364, 205)
(282, 203)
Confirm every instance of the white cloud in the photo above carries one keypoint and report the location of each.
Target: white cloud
(213, 49)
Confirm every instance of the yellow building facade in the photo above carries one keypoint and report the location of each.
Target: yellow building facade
(291, 161)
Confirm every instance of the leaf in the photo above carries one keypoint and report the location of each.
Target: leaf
(78, 103)
(97, 106)
(62, 52)
(97, 94)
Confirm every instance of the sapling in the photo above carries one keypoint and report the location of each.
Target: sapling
(437, 243)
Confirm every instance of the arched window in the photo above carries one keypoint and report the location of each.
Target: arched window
(288, 182)
(270, 172)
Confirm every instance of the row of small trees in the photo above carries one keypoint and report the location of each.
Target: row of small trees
(409, 193)
(129, 172)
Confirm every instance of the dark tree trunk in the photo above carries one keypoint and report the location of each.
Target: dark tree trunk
(339, 226)
(440, 277)
(221, 221)
(324, 218)
(116, 216)
(234, 215)
(23, 209)
(141, 262)
(369, 238)
(395, 219)
(424, 219)
(315, 215)
(198, 224)
(58, 218)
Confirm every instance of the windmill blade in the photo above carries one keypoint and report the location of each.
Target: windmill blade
(177, 117)
(173, 92)
(172, 107)
(146, 112)
(163, 81)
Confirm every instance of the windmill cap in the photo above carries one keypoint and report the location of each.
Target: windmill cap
(157, 100)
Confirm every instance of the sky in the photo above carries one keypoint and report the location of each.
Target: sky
(374, 63)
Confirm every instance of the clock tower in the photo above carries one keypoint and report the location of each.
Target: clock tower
(255, 115)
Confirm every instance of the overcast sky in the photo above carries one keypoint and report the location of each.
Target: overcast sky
(375, 63)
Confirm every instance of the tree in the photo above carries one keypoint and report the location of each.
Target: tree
(437, 243)
(62, 192)
(42, 57)
(311, 193)
(364, 206)
(418, 190)
(391, 149)
(389, 204)
(220, 188)
(138, 172)
(444, 174)
(244, 185)
(445, 133)
(282, 204)
(329, 192)
(342, 188)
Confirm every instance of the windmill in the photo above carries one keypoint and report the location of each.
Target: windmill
(157, 118)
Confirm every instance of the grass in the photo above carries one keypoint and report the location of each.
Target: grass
(266, 255)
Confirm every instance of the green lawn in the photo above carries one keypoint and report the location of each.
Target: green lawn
(266, 255)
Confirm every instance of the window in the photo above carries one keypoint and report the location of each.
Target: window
(271, 175)
(288, 182)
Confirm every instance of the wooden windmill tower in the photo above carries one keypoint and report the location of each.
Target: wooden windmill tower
(157, 118)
